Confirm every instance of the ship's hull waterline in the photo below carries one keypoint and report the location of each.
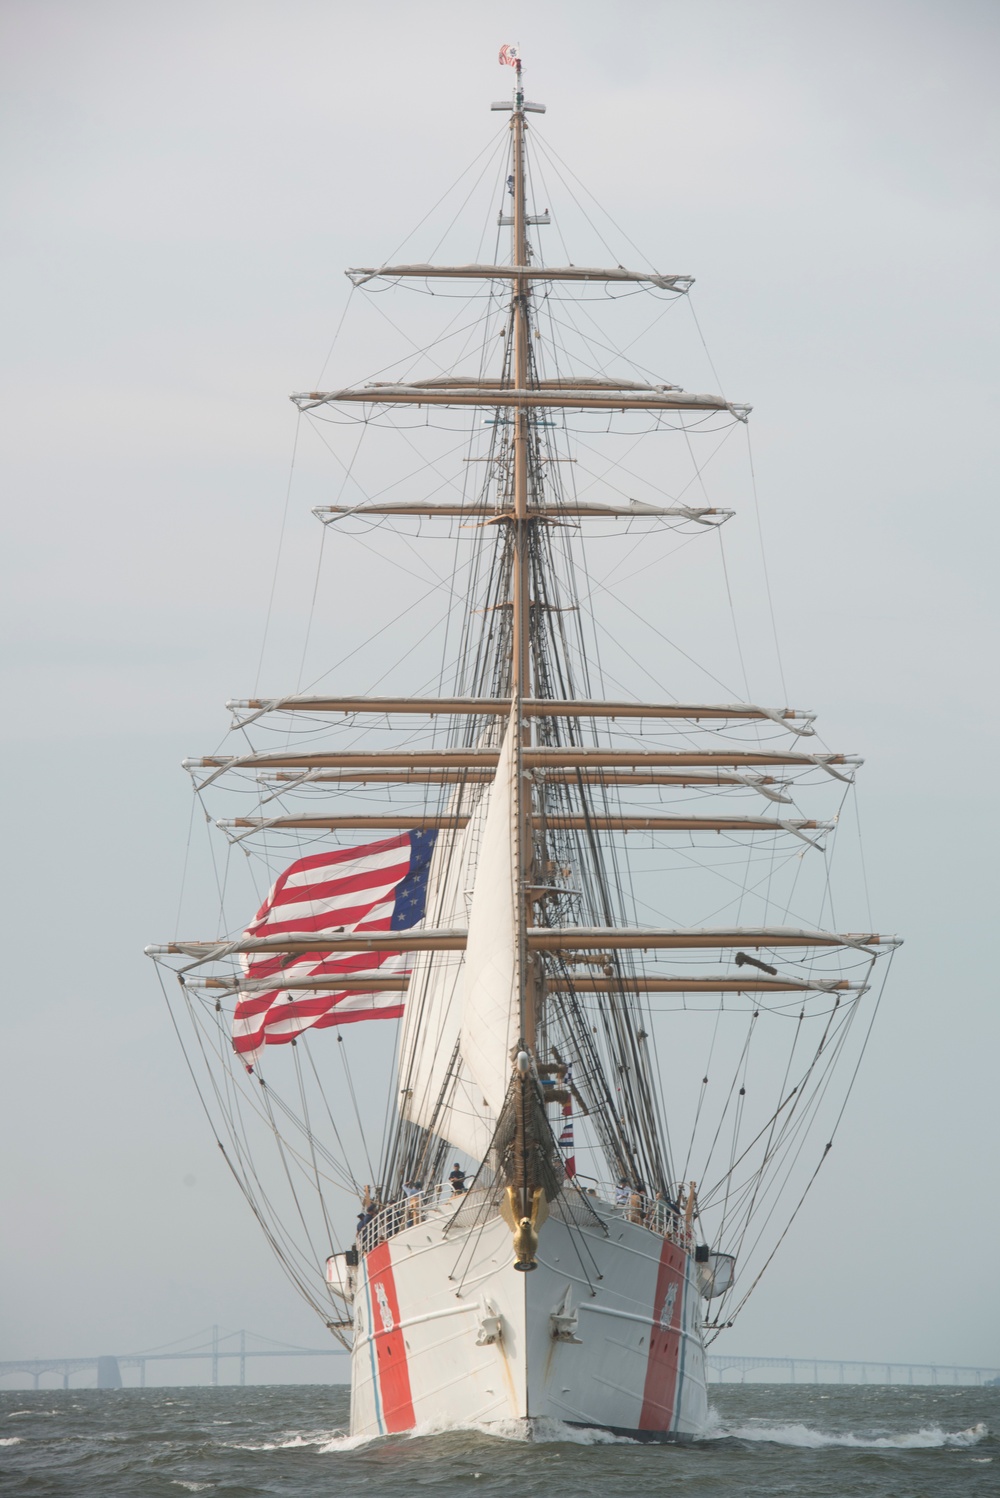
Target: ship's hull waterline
(605, 1332)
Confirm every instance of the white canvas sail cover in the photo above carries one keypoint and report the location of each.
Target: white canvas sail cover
(491, 1017)
(436, 993)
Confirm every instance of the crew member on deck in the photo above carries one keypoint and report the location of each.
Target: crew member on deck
(663, 1214)
(457, 1179)
(412, 1191)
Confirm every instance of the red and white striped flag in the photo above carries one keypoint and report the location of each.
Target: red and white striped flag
(566, 1136)
(379, 887)
(509, 56)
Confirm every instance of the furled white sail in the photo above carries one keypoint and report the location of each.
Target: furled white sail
(491, 1018)
(436, 1090)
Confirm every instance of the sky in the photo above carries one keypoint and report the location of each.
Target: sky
(182, 187)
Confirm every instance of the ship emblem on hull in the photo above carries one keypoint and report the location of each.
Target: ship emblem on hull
(383, 1306)
(667, 1314)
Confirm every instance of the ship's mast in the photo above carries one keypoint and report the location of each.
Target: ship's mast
(521, 686)
(526, 823)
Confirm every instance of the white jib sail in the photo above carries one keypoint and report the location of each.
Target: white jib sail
(455, 1109)
(490, 1018)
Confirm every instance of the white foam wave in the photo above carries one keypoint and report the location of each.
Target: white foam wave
(541, 1430)
(10, 1441)
(577, 1435)
(548, 1431)
(928, 1437)
(345, 1443)
(320, 1440)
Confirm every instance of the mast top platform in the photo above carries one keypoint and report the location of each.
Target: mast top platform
(510, 57)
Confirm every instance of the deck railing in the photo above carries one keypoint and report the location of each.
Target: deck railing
(408, 1212)
(438, 1200)
(660, 1217)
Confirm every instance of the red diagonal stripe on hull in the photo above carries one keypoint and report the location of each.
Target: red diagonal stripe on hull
(660, 1391)
(390, 1349)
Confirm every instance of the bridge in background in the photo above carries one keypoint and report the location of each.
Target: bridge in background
(211, 1346)
(216, 1348)
(728, 1368)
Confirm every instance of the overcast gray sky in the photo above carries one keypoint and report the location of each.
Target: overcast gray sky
(183, 185)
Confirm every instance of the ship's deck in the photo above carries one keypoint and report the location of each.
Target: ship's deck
(600, 1203)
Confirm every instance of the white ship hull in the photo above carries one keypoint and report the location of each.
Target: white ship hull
(605, 1332)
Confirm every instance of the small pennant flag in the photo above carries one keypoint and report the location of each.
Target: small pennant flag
(509, 56)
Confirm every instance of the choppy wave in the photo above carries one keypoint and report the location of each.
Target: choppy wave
(928, 1437)
(541, 1431)
(346, 1443)
(802, 1441)
(548, 1431)
(297, 1440)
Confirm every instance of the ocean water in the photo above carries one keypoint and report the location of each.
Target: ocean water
(817, 1441)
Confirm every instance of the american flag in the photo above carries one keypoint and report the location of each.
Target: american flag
(379, 887)
(508, 56)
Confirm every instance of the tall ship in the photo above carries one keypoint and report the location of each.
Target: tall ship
(528, 1021)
